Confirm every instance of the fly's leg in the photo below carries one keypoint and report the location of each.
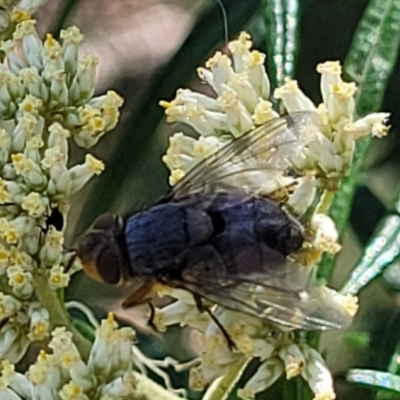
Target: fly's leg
(152, 316)
(70, 262)
(202, 308)
(139, 296)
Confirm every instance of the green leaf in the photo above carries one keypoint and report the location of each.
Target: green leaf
(206, 35)
(375, 379)
(370, 62)
(381, 251)
(359, 340)
(281, 22)
(84, 329)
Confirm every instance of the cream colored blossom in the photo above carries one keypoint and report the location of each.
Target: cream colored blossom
(42, 84)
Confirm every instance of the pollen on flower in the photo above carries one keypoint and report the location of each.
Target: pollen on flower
(205, 146)
(256, 59)
(219, 60)
(10, 233)
(246, 393)
(21, 163)
(87, 113)
(28, 121)
(72, 35)
(343, 90)
(71, 391)
(29, 75)
(52, 156)
(57, 130)
(165, 104)
(4, 260)
(33, 204)
(58, 278)
(54, 238)
(25, 28)
(19, 16)
(89, 62)
(8, 306)
(107, 326)
(35, 142)
(158, 320)
(325, 234)
(244, 345)
(350, 304)
(196, 379)
(30, 104)
(52, 48)
(95, 125)
(228, 99)
(113, 99)
(39, 330)
(293, 367)
(263, 112)
(379, 129)
(62, 339)
(290, 86)
(18, 257)
(331, 67)
(7, 46)
(175, 176)
(4, 194)
(241, 45)
(328, 394)
(96, 166)
(69, 358)
(7, 369)
(17, 276)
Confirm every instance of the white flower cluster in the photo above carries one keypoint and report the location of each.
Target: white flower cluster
(15, 11)
(63, 375)
(241, 104)
(253, 338)
(46, 90)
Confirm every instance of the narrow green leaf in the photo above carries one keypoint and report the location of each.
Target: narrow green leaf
(359, 340)
(206, 35)
(66, 11)
(84, 329)
(281, 22)
(394, 368)
(376, 379)
(370, 62)
(381, 251)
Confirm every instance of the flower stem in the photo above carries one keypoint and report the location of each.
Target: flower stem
(325, 202)
(146, 389)
(221, 388)
(58, 314)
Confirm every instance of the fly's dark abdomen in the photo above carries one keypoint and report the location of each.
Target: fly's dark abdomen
(225, 232)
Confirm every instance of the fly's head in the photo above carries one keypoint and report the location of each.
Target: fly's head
(102, 251)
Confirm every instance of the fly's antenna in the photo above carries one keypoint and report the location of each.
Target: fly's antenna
(225, 20)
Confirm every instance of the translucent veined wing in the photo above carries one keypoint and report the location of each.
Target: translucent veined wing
(281, 300)
(243, 267)
(254, 159)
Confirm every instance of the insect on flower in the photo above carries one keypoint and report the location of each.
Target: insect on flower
(217, 237)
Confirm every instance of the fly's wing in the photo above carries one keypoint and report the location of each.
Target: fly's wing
(251, 161)
(286, 301)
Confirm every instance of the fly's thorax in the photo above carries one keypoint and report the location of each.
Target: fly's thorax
(102, 251)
